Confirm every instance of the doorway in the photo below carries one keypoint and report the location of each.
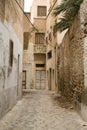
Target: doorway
(40, 79)
(24, 80)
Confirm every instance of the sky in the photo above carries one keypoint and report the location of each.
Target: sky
(27, 4)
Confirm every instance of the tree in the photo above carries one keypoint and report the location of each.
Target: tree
(68, 9)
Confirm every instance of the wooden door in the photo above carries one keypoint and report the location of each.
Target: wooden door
(40, 79)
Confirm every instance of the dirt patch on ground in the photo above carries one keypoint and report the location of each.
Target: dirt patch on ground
(63, 102)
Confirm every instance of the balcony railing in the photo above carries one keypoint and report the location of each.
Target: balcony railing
(39, 48)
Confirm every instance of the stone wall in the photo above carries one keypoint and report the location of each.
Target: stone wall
(83, 19)
(70, 62)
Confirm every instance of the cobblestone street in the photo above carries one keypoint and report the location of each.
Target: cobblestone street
(38, 111)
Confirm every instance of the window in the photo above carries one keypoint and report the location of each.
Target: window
(41, 10)
(11, 53)
(39, 38)
(49, 54)
(26, 40)
(40, 65)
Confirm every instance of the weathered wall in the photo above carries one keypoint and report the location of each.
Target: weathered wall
(28, 66)
(40, 24)
(83, 19)
(60, 68)
(2, 10)
(28, 55)
(26, 23)
(14, 16)
(51, 41)
(10, 76)
(71, 60)
(76, 58)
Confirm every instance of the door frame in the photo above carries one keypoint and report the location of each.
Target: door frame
(40, 79)
(24, 82)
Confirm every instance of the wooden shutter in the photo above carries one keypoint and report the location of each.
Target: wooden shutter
(42, 10)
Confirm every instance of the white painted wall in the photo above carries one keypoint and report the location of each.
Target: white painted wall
(10, 88)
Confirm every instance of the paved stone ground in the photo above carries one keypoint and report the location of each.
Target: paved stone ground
(38, 111)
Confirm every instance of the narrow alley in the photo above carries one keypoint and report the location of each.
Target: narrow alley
(38, 110)
(43, 65)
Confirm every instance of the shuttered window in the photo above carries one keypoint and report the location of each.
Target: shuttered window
(26, 40)
(41, 10)
(39, 38)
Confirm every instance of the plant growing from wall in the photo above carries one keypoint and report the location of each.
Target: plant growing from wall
(68, 9)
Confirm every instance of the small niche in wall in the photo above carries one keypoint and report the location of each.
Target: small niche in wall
(11, 53)
(49, 54)
(40, 65)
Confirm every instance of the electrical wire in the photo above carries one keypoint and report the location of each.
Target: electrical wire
(51, 8)
(26, 16)
(31, 22)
